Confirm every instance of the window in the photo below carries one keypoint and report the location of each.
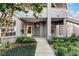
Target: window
(10, 34)
(11, 31)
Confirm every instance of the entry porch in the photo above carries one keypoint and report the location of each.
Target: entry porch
(39, 27)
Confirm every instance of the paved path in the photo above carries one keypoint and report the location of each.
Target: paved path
(43, 48)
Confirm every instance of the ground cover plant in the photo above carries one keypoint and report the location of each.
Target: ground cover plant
(65, 46)
(24, 46)
(24, 50)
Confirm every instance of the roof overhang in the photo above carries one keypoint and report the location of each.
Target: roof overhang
(33, 19)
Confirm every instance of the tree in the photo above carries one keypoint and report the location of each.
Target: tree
(8, 9)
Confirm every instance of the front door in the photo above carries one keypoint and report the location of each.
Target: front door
(29, 30)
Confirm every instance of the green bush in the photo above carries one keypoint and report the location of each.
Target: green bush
(25, 40)
(73, 39)
(61, 51)
(66, 39)
(74, 51)
(65, 45)
(58, 44)
(50, 41)
(74, 44)
(19, 39)
(4, 45)
(7, 45)
(55, 45)
(58, 39)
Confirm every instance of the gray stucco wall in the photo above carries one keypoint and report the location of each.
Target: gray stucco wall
(41, 30)
(76, 29)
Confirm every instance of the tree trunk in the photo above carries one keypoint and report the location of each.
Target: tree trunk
(8, 17)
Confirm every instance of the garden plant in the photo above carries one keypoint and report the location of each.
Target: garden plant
(65, 46)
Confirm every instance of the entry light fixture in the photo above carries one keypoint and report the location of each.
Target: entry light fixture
(37, 25)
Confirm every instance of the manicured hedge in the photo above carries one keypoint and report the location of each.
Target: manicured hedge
(25, 40)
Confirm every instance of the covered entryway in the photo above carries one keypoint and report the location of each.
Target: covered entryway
(38, 27)
(34, 27)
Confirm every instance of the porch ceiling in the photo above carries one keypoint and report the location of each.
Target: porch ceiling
(33, 19)
(40, 19)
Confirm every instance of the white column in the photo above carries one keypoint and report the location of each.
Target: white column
(65, 25)
(49, 22)
(40, 29)
(64, 21)
(18, 27)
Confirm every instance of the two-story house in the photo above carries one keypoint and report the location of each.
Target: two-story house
(51, 22)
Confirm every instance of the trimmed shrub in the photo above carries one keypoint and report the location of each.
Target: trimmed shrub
(25, 40)
(28, 40)
(19, 39)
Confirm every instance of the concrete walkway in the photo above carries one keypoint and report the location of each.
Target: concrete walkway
(43, 48)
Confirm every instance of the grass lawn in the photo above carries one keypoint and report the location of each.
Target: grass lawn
(25, 50)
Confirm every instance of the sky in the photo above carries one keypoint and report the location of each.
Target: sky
(73, 6)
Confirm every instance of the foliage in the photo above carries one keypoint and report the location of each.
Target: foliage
(73, 39)
(64, 39)
(13, 6)
(61, 51)
(65, 45)
(50, 41)
(37, 8)
(8, 11)
(25, 40)
(4, 45)
(74, 50)
(25, 50)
